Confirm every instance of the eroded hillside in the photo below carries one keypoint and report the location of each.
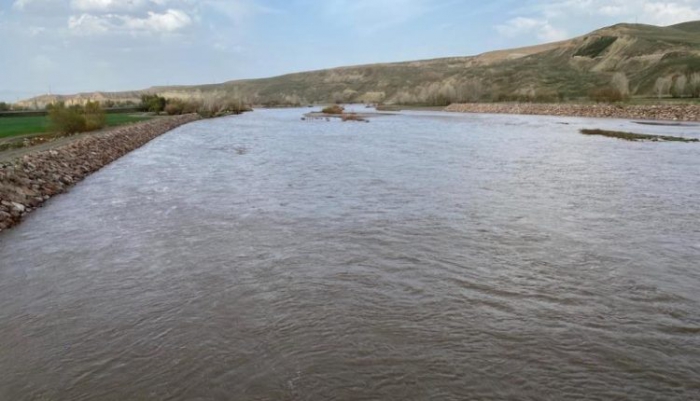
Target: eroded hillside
(651, 59)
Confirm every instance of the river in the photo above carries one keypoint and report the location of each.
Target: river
(419, 256)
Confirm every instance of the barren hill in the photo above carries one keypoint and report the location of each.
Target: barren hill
(563, 70)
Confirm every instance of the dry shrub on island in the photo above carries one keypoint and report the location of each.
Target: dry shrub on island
(353, 117)
(334, 109)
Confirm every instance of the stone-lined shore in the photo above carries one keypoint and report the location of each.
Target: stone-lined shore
(26, 183)
(681, 112)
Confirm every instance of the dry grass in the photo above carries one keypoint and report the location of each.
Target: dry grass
(335, 109)
(353, 117)
(629, 136)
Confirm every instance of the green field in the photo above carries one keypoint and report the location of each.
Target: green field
(14, 126)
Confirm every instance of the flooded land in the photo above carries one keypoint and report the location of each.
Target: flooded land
(421, 256)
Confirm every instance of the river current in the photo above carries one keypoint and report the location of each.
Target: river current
(421, 256)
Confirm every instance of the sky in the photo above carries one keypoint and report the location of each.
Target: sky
(69, 46)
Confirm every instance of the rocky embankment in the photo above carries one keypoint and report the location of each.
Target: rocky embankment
(29, 181)
(681, 112)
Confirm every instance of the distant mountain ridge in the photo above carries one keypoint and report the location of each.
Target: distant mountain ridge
(563, 70)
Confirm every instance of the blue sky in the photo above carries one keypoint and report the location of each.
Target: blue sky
(86, 45)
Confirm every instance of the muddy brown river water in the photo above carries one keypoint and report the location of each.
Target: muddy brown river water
(422, 256)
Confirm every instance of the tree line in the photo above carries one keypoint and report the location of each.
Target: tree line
(678, 86)
(210, 106)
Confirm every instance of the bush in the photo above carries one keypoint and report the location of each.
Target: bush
(191, 107)
(335, 109)
(75, 119)
(547, 96)
(152, 103)
(353, 117)
(606, 95)
(94, 116)
(174, 107)
(67, 120)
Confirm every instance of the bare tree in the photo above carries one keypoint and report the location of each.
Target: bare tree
(621, 83)
(404, 97)
(662, 86)
(447, 93)
(470, 91)
(437, 94)
(694, 84)
(292, 100)
(373, 97)
(679, 86)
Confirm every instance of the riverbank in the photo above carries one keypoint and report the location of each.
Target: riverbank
(667, 112)
(399, 107)
(27, 182)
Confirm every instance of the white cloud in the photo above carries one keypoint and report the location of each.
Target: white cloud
(108, 5)
(21, 4)
(550, 20)
(167, 22)
(108, 16)
(668, 13)
(36, 30)
(88, 24)
(37, 5)
(154, 16)
(238, 11)
(656, 12)
(542, 29)
(549, 33)
(170, 21)
(612, 11)
(517, 26)
(370, 16)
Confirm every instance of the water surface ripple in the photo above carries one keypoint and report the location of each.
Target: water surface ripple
(420, 256)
